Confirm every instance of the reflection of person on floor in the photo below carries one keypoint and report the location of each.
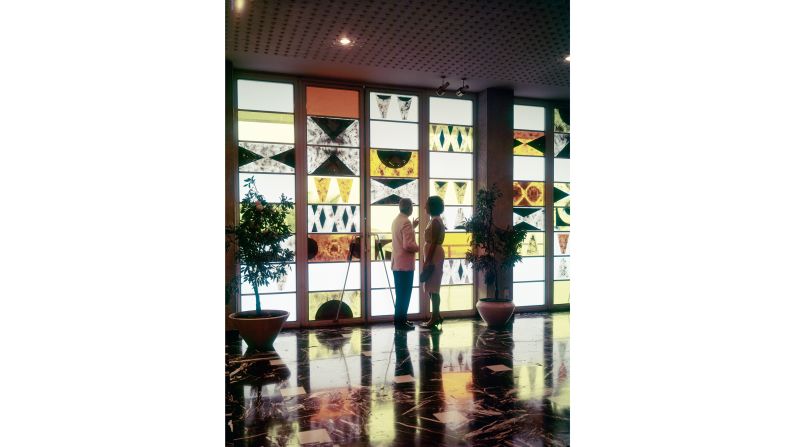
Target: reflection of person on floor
(404, 246)
(403, 394)
(432, 398)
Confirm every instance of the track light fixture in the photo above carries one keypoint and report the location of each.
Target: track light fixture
(441, 90)
(461, 90)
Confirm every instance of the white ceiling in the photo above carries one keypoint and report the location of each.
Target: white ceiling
(500, 43)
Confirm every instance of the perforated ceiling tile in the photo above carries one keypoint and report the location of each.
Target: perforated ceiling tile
(520, 43)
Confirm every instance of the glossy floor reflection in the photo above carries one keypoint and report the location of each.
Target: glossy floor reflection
(467, 385)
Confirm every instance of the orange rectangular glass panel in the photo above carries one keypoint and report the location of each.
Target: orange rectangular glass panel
(332, 102)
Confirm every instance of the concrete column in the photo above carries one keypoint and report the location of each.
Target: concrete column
(495, 164)
(230, 190)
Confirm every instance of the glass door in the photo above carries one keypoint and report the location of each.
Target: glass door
(394, 173)
(334, 205)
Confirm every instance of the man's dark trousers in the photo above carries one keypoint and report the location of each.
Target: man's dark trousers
(403, 282)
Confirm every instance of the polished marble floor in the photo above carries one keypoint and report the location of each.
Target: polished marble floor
(368, 385)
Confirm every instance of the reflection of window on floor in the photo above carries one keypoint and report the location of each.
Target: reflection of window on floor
(335, 359)
(528, 357)
(560, 361)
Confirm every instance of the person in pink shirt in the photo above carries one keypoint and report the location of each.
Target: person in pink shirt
(404, 247)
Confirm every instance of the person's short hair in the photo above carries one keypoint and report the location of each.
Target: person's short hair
(435, 205)
(405, 205)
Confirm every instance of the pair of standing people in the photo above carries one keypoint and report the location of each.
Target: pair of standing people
(404, 247)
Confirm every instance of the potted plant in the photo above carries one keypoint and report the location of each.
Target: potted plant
(259, 243)
(491, 250)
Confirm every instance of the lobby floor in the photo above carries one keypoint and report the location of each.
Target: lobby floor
(367, 385)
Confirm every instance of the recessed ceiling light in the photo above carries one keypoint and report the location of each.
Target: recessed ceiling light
(345, 41)
(568, 58)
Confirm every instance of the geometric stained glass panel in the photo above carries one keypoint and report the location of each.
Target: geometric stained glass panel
(456, 271)
(528, 194)
(562, 143)
(452, 192)
(333, 219)
(562, 247)
(330, 247)
(324, 131)
(390, 163)
(527, 142)
(444, 138)
(531, 219)
(562, 218)
(394, 107)
(353, 298)
(562, 121)
(561, 194)
(332, 161)
(333, 190)
(266, 157)
(390, 191)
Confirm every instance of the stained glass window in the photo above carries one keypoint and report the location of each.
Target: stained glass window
(562, 207)
(334, 214)
(266, 151)
(451, 151)
(394, 174)
(529, 173)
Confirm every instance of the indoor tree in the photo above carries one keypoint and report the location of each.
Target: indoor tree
(491, 248)
(259, 239)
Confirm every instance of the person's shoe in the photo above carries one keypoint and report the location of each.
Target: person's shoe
(433, 324)
(404, 326)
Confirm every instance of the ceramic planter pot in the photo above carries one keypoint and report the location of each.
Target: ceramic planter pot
(495, 313)
(259, 331)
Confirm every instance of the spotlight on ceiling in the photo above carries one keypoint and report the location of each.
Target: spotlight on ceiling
(344, 41)
(441, 90)
(568, 58)
(463, 89)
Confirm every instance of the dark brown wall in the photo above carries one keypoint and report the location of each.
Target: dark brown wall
(495, 160)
